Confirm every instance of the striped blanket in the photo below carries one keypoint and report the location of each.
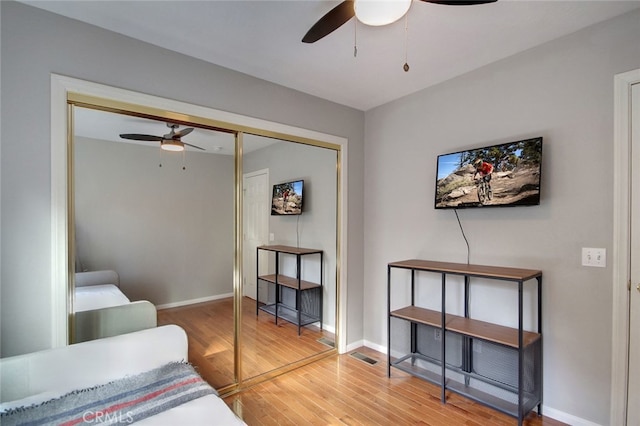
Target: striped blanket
(120, 402)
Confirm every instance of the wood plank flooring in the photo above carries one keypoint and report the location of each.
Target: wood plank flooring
(338, 390)
(342, 390)
(265, 345)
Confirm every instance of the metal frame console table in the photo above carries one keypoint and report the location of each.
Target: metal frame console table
(498, 366)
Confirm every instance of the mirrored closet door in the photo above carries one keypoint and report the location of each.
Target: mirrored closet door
(188, 235)
(289, 218)
(163, 222)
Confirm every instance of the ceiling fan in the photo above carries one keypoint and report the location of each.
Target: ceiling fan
(169, 142)
(370, 12)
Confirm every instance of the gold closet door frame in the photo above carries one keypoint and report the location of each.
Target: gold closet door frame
(109, 105)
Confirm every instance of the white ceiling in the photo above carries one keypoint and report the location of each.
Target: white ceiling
(262, 39)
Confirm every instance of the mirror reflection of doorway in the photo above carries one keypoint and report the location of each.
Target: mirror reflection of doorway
(256, 205)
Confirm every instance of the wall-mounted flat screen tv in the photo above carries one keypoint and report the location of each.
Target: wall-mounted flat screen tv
(287, 198)
(499, 175)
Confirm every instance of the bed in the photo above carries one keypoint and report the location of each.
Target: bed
(101, 309)
(38, 387)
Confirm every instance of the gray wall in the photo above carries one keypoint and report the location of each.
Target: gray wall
(168, 232)
(35, 44)
(562, 91)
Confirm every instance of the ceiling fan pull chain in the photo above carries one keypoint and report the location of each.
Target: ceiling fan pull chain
(406, 42)
(183, 155)
(355, 38)
(160, 158)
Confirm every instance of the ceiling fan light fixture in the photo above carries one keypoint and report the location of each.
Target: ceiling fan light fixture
(380, 12)
(172, 145)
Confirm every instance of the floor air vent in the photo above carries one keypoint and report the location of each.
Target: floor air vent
(364, 358)
(327, 342)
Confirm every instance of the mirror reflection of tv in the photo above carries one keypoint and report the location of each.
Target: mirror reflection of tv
(501, 175)
(287, 198)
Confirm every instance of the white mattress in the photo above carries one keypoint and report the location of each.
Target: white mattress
(98, 297)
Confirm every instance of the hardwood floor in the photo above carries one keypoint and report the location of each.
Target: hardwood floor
(265, 346)
(342, 390)
(338, 390)
(209, 328)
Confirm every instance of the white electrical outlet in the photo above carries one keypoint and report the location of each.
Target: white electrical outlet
(594, 257)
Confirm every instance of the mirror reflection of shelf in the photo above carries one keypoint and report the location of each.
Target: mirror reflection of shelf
(289, 282)
(296, 301)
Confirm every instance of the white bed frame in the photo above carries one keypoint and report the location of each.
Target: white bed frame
(40, 376)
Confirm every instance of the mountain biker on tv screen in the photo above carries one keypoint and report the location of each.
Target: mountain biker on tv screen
(483, 169)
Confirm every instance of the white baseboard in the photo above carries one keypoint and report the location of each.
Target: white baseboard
(565, 417)
(355, 345)
(375, 346)
(194, 301)
(328, 328)
(366, 344)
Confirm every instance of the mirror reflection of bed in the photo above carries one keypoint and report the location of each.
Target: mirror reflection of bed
(101, 309)
(165, 223)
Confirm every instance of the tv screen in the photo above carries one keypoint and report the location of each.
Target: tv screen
(287, 198)
(500, 175)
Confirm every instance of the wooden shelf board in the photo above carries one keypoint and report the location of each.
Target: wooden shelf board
(289, 282)
(491, 332)
(494, 272)
(289, 249)
(469, 327)
(421, 315)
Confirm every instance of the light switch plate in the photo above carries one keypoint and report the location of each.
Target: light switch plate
(594, 257)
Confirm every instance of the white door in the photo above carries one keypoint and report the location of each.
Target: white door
(256, 225)
(633, 402)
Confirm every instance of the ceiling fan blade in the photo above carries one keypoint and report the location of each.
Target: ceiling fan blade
(193, 146)
(181, 133)
(330, 22)
(137, 137)
(460, 2)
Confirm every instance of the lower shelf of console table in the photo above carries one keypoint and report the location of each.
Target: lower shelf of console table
(489, 375)
(289, 314)
(299, 302)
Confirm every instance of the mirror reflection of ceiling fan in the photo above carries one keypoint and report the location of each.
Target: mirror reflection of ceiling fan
(169, 142)
(370, 12)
